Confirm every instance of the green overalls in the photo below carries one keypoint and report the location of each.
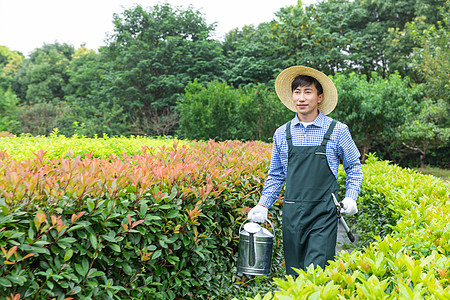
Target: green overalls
(309, 214)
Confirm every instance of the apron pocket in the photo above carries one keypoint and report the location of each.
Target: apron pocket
(292, 215)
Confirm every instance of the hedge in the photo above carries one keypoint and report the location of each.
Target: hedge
(411, 262)
(160, 225)
(164, 225)
(57, 145)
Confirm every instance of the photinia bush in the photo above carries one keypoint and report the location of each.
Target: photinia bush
(156, 224)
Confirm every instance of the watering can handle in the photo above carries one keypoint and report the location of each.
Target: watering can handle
(267, 220)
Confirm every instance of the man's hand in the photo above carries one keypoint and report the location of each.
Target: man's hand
(258, 214)
(349, 206)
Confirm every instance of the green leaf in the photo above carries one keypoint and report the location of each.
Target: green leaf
(144, 209)
(109, 238)
(268, 296)
(4, 209)
(41, 243)
(5, 282)
(172, 239)
(115, 247)
(80, 270)
(156, 254)
(85, 264)
(96, 273)
(31, 233)
(93, 239)
(75, 290)
(17, 279)
(68, 254)
(172, 214)
(67, 240)
(90, 204)
(152, 218)
(173, 259)
(50, 285)
(75, 227)
(28, 248)
(17, 234)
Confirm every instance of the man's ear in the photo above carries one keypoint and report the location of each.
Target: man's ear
(320, 98)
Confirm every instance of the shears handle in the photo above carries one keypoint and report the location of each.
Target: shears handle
(342, 220)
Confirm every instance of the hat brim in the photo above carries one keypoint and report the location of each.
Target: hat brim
(283, 87)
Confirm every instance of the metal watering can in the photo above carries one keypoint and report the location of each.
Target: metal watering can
(255, 249)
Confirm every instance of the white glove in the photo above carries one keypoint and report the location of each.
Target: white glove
(349, 206)
(258, 214)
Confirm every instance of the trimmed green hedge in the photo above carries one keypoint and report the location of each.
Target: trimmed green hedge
(164, 225)
(57, 145)
(411, 262)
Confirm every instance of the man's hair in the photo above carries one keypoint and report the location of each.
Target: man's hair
(305, 80)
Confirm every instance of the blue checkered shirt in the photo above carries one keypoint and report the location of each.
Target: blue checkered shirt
(340, 147)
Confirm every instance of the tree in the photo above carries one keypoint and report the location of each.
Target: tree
(249, 55)
(332, 36)
(431, 58)
(8, 111)
(318, 35)
(10, 62)
(43, 77)
(299, 35)
(154, 54)
(425, 131)
(90, 108)
(383, 41)
(261, 112)
(374, 108)
(431, 61)
(209, 112)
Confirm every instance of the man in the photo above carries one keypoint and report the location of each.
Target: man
(306, 154)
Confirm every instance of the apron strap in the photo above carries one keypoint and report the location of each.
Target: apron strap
(288, 134)
(327, 135)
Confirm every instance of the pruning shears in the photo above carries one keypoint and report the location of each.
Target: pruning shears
(341, 219)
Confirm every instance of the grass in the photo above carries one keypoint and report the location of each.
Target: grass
(441, 173)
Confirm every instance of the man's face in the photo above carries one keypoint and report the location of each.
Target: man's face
(306, 101)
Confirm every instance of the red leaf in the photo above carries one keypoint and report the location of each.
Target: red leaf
(137, 223)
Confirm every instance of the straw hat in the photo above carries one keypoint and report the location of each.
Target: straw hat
(284, 90)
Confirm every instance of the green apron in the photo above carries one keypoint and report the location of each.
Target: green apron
(309, 214)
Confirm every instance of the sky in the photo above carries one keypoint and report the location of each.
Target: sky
(27, 24)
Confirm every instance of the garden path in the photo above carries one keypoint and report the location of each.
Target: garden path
(343, 243)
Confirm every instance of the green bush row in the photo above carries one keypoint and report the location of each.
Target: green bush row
(216, 110)
(410, 262)
(57, 145)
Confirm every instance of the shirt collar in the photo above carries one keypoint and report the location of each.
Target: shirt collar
(319, 121)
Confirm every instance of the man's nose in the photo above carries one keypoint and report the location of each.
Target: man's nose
(301, 97)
